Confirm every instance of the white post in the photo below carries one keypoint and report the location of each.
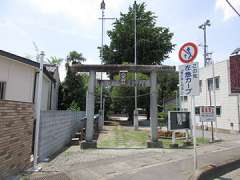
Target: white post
(38, 111)
(173, 137)
(194, 134)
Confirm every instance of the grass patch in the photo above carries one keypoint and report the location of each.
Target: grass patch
(124, 138)
(121, 137)
(167, 142)
(202, 140)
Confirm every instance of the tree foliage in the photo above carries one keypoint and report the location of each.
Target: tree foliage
(75, 58)
(167, 82)
(73, 89)
(55, 60)
(153, 42)
(122, 98)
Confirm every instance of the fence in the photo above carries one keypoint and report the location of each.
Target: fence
(57, 129)
(16, 130)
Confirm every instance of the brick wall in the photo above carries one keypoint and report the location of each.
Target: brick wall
(16, 129)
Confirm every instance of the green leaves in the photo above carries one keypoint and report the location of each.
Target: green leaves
(55, 60)
(153, 42)
(75, 58)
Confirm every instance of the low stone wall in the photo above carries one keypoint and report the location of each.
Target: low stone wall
(16, 131)
(57, 129)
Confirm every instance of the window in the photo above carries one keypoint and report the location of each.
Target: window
(218, 110)
(184, 98)
(197, 110)
(200, 85)
(210, 83)
(2, 90)
(217, 82)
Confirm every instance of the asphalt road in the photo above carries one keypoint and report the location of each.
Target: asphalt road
(141, 164)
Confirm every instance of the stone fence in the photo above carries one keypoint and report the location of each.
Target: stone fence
(57, 129)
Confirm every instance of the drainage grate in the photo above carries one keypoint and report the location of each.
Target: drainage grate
(58, 176)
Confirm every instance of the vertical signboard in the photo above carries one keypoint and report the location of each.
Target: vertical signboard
(235, 74)
(189, 79)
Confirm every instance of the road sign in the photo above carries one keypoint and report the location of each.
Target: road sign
(207, 113)
(189, 79)
(188, 52)
(178, 120)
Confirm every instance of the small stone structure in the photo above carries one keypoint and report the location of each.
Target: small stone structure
(92, 69)
(16, 131)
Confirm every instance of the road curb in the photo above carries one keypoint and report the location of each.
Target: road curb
(213, 171)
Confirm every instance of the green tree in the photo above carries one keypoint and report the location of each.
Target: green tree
(74, 87)
(153, 42)
(167, 82)
(122, 98)
(75, 58)
(55, 60)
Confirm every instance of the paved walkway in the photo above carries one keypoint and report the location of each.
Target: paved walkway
(140, 163)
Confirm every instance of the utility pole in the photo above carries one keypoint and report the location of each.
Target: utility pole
(204, 28)
(101, 123)
(135, 121)
(102, 7)
(38, 113)
(206, 61)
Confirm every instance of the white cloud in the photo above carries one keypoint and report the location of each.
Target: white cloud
(82, 12)
(228, 12)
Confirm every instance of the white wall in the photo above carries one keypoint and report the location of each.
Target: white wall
(229, 108)
(19, 78)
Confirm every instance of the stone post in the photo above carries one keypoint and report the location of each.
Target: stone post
(90, 107)
(135, 119)
(154, 143)
(89, 143)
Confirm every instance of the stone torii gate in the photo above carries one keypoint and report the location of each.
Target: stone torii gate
(92, 69)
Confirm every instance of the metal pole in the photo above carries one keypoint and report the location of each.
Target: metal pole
(214, 98)
(101, 86)
(205, 46)
(194, 134)
(38, 111)
(135, 63)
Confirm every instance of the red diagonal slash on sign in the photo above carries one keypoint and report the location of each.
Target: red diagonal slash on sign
(187, 52)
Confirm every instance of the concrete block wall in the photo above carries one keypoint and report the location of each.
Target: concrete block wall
(57, 129)
(16, 131)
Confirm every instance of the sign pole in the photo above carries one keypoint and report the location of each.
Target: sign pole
(189, 84)
(194, 134)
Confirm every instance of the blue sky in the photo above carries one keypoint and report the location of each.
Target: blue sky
(59, 26)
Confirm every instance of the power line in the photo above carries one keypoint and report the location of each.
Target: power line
(233, 8)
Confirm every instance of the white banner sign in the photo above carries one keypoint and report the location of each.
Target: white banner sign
(207, 114)
(189, 79)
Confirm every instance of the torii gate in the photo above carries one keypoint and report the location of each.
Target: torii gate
(92, 69)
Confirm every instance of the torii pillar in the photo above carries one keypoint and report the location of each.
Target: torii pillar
(89, 142)
(153, 142)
